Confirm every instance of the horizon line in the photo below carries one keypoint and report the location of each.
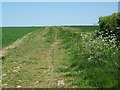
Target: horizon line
(55, 25)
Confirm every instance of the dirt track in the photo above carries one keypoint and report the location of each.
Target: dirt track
(35, 66)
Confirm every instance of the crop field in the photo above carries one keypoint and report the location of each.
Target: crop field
(59, 57)
(11, 34)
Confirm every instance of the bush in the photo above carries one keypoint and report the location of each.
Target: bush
(110, 27)
(92, 62)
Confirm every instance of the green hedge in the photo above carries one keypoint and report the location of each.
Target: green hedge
(110, 27)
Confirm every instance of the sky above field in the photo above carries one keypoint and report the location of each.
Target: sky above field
(51, 13)
(60, 0)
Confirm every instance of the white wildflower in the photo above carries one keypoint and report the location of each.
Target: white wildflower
(90, 58)
(18, 86)
(60, 82)
(4, 75)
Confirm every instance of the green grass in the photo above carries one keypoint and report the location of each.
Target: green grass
(0, 37)
(74, 55)
(36, 56)
(92, 61)
(84, 28)
(11, 34)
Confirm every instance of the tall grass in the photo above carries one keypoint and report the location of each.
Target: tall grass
(93, 61)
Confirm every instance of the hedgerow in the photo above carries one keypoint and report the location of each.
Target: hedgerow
(110, 27)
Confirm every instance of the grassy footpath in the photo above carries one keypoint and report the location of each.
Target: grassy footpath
(34, 63)
(61, 57)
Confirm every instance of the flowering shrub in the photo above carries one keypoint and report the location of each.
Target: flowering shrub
(110, 27)
(93, 62)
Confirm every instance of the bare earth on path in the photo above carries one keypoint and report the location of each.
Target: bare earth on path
(4, 51)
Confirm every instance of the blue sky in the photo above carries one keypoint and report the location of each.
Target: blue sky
(51, 13)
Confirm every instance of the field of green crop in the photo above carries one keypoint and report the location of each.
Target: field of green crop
(84, 28)
(11, 34)
(67, 57)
